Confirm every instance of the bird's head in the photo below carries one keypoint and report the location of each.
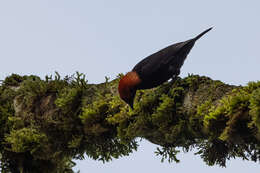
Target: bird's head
(127, 87)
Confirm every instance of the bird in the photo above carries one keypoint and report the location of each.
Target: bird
(156, 69)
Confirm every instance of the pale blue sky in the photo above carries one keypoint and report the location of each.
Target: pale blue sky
(106, 37)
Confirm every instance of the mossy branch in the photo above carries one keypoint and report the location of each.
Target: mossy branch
(47, 123)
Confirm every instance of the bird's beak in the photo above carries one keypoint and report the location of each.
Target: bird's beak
(131, 103)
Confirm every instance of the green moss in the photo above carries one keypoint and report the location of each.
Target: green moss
(69, 99)
(204, 109)
(24, 140)
(6, 111)
(75, 142)
(163, 112)
(228, 106)
(216, 115)
(67, 118)
(168, 153)
(255, 108)
(100, 120)
(14, 80)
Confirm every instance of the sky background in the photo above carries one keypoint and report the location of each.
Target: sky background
(106, 37)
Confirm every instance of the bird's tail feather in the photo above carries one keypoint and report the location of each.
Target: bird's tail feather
(201, 34)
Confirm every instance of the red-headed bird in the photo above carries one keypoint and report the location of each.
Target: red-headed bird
(155, 69)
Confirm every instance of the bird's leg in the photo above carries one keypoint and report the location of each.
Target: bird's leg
(175, 75)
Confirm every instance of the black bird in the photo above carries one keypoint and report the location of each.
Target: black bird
(156, 69)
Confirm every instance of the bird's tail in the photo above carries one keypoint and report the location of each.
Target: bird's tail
(201, 34)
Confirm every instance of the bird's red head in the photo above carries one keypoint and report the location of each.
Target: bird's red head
(127, 87)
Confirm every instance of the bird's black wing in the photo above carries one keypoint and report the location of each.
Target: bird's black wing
(162, 65)
(156, 61)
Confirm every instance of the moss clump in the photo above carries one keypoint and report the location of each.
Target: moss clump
(100, 127)
(14, 80)
(34, 131)
(25, 140)
(255, 109)
(230, 126)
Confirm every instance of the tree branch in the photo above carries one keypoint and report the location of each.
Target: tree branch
(47, 123)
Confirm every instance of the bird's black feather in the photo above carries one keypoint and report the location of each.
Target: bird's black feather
(164, 64)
